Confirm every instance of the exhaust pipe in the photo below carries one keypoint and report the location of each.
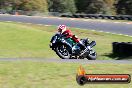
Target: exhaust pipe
(92, 44)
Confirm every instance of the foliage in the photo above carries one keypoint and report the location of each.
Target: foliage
(95, 6)
(62, 6)
(108, 7)
(124, 7)
(26, 5)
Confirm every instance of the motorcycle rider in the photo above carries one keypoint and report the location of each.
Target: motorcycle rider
(62, 29)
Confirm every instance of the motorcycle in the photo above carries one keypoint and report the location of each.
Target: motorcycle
(66, 48)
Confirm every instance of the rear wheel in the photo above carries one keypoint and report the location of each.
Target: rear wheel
(92, 55)
(62, 52)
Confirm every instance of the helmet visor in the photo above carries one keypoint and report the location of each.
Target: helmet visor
(59, 30)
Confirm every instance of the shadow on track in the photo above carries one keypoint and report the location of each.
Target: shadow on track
(118, 57)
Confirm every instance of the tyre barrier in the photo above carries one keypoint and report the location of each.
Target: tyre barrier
(98, 16)
(122, 48)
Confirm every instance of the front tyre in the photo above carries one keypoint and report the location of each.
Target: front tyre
(63, 52)
(92, 55)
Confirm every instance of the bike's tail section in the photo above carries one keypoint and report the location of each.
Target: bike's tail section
(92, 44)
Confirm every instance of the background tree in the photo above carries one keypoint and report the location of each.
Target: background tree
(62, 6)
(5, 5)
(110, 7)
(124, 7)
(31, 5)
(65, 6)
(91, 6)
(26, 5)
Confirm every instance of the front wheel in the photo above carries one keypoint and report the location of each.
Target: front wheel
(63, 52)
(92, 55)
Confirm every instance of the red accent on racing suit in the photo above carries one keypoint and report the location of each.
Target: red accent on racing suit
(69, 34)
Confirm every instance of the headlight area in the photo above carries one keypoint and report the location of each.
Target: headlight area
(50, 45)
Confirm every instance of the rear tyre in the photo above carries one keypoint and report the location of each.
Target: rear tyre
(92, 55)
(63, 52)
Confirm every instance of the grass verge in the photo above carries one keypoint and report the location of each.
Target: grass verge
(55, 75)
(32, 41)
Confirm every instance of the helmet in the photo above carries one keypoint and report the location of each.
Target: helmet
(61, 28)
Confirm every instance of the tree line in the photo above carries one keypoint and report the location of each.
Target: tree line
(109, 7)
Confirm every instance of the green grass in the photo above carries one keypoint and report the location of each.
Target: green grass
(23, 41)
(55, 75)
(32, 41)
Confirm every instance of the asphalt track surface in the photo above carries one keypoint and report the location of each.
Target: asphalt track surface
(124, 28)
(75, 61)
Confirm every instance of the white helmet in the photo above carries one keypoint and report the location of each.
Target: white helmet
(61, 28)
